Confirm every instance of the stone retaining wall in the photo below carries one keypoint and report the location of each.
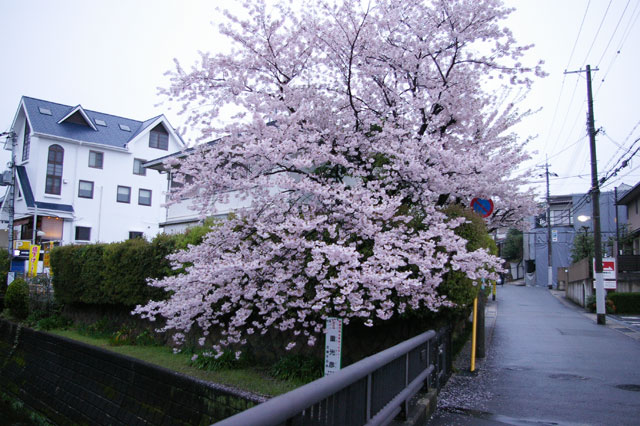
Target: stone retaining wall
(73, 383)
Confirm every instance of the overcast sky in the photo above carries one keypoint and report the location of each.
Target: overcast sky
(111, 56)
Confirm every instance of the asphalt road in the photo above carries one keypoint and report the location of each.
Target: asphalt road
(547, 364)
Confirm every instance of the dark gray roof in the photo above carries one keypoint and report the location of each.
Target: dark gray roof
(158, 163)
(27, 193)
(630, 196)
(111, 134)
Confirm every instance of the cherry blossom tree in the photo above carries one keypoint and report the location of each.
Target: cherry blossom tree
(358, 123)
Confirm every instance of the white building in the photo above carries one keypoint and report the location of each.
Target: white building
(79, 173)
(184, 214)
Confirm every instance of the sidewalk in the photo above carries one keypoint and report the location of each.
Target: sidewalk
(629, 325)
(547, 362)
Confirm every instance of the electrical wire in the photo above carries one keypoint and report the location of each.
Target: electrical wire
(625, 36)
(595, 37)
(615, 30)
(555, 112)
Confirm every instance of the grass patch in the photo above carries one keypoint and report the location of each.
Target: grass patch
(249, 378)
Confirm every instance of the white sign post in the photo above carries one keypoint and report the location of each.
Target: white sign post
(608, 273)
(333, 346)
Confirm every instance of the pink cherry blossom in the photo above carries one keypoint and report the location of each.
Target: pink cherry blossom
(357, 123)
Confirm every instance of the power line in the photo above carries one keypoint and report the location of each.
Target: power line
(555, 112)
(595, 37)
(625, 35)
(614, 31)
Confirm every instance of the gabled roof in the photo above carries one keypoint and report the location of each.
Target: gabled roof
(158, 163)
(50, 118)
(630, 196)
(29, 199)
(78, 110)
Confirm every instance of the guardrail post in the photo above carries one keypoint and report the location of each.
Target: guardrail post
(405, 405)
(368, 404)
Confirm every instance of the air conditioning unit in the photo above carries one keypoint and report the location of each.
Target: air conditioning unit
(5, 178)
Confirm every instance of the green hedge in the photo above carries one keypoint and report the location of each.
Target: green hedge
(17, 299)
(625, 303)
(455, 284)
(4, 268)
(116, 273)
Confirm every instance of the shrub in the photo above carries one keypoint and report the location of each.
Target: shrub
(626, 303)
(103, 328)
(126, 335)
(455, 284)
(4, 269)
(117, 273)
(52, 322)
(227, 361)
(297, 367)
(17, 299)
(610, 307)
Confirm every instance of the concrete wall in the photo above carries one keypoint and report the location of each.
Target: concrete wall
(579, 291)
(73, 383)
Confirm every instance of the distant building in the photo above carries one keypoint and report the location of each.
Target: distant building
(631, 200)
(79, 175)
(565, 211)
(182, 215)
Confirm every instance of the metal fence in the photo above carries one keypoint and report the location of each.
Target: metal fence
(372, 391)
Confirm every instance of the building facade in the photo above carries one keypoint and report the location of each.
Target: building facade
(631, 201)
(570, 215)
(79, 175)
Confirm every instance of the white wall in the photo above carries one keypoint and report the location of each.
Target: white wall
(108, 219)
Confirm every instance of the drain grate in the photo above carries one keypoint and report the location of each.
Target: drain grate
(632, 388)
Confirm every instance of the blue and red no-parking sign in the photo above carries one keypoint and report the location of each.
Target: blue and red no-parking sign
(482, 206)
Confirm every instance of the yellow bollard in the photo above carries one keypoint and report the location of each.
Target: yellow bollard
(494, 290)
(473, 335)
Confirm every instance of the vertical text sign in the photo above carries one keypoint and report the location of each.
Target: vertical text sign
(34, 256)
(333, 346)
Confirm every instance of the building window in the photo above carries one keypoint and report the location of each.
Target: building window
(85, 189)
(137, 167)
(144, 197)
(159, 138)
(134, 234)
(95, 159)
(183, 179)
(26, 143)
(124, 194)
(561, 217)
(53, 183)
(83, 233)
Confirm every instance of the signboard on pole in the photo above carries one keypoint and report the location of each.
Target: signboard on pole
(34, 257)
(608, 272)
(333, 346)
(554, 235)
(21, 248)
(47, 247)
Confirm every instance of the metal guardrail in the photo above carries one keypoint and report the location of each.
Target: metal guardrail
(372, 391)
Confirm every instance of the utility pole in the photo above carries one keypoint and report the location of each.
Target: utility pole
(595, 196)
(549, 240)
(10, 196)
(615, 199)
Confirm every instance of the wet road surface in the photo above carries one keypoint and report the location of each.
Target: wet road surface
(547, 364)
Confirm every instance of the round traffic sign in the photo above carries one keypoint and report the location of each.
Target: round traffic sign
(482, 206)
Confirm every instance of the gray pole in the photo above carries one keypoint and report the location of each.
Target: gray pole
(615, 198)
(549, 246)
(595, 194)
(12, 196)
